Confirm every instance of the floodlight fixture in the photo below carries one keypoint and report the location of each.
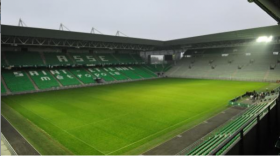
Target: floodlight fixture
(265, 39)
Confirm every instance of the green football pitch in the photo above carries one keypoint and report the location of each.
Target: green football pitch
(126, 118)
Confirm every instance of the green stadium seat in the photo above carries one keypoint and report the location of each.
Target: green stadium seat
(127, 71)
(154, 67)
(34, 59)
(24, 59)
(106, 59)
(166, 67)
(228, 145)
(211, 143)
(124, 58)
(65, 77)
(83, 75)
(85, 59)
(17, 81)
(100, 73)
(143, 72)
(43, 79)
(57, 59)
(114, 73)
(158, 67)
(138, 59)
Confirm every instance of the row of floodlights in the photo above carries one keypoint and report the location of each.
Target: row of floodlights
(264, 39)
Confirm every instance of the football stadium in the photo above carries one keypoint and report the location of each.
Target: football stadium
(75, 93)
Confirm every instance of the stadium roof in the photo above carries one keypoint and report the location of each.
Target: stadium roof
(229, 36)
(69, 35)
(271, 7)
(248, 34)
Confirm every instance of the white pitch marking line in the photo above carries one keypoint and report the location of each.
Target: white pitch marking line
(68, 133)
(158, 132)
(179, 136)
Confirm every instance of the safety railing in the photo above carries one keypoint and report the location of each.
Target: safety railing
(260, 114)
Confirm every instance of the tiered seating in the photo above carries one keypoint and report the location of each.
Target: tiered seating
(129, 72)
(100, 73)
(107, 59)
(212, 142)
(24, 59)
(124, 58)
(57, 59)
(34, 59)
(101, 59)
(158, 67)
(3, 90)
(85, 58)
(143, 72)
(166, 67)
(83, 75)
(114, 73)
(43, 79)
(65, 77)
(17, 81)
(138, 59)
(31, 79)
(228, 63)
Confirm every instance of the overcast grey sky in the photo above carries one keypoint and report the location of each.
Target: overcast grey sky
(152, 19)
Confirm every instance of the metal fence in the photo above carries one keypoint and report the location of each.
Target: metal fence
(214, 132)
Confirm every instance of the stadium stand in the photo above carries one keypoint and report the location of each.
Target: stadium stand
(84, 59)
(158, 67)
(229, 63)
(64, 77)
(43, 79)
(143, 72)
(53, 73)
(138, 59)
(114, 73)
(107, 59)
(124, 58)
(49, 59)
(17, 81)
(57, 59)
(23, 59)
(83, 75)
(127, 71)
(100, 73)
(215, 139)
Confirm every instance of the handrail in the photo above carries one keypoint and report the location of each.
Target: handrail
(240, 130)
(210, 134)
